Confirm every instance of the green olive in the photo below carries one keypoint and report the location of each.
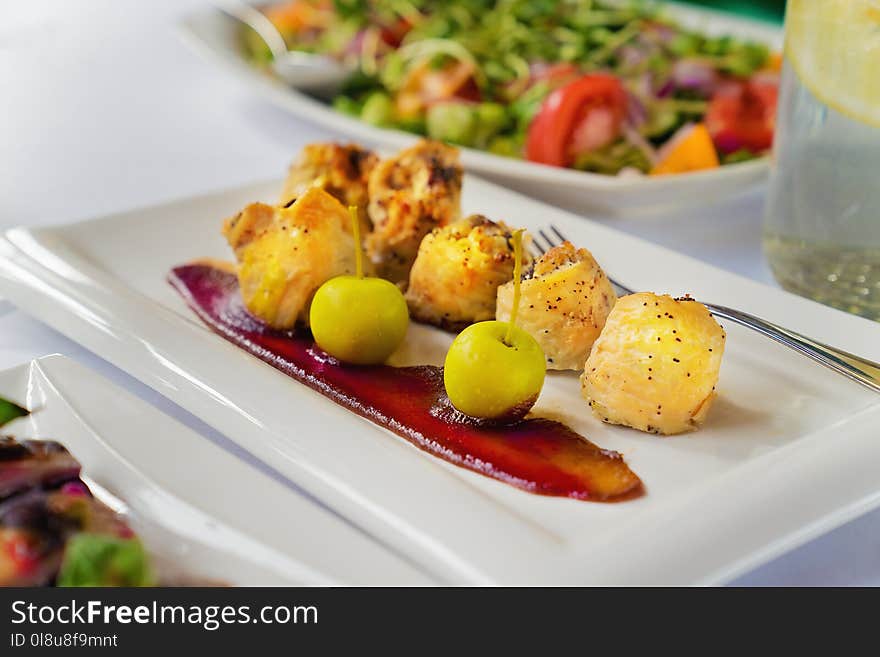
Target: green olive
(490, 374)
(359, 320)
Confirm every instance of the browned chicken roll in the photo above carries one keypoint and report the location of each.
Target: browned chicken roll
(656, 364)
(286, 254)
(565, 302)
(411, 194)
(340, 170)
(454, 280)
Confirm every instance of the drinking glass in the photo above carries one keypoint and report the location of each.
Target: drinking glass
(822, 223)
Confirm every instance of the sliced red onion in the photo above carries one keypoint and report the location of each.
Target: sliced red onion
(33, 464)
(356, 45)
(695, 75)
(635, 138)
(631, 56)
(658, 33)
(538, 68)
(644, 85)
(76, 489)
(666, 88)
(636, 112)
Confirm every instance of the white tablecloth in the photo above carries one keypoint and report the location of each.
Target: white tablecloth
(102, 108)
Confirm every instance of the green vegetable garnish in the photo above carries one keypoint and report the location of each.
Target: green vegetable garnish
(378, 109)
(10, 411)
(99, 560)
(685, 44)
(347, 105)
(662, 122)
(506, 147)
(414, 124)
(524, 108)
(744, 59)
(492, 118)
(742, 155)
(466, 124)
(452, 122)
(611, 159)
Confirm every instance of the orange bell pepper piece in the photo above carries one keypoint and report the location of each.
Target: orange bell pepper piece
(774, 62)
(693, 153)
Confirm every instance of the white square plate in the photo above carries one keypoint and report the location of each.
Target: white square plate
(789, 450)
(193, 504)
(214, 35)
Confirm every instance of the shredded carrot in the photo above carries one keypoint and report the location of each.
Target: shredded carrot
(298, 15)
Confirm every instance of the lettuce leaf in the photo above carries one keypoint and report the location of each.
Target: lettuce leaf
(10, 411)
(101, 560)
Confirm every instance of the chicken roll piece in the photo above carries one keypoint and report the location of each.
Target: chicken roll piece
(565, 302)
(454, 280)
(286, 254)
(410, 195)
(340, 170)
(656, 364)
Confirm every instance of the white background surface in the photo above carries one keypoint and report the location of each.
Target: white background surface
(102, 108)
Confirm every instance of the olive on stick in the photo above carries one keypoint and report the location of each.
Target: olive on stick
(359, 319)
(495, 370)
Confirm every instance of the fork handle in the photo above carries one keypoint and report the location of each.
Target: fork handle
(853, 367)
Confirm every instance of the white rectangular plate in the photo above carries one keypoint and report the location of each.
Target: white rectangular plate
(193, 504)
(789, 449)
(213, 34)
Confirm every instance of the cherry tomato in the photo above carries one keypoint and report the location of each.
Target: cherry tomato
(582, 115)
(742, 115)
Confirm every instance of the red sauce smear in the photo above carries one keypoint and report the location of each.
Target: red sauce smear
(537, 455)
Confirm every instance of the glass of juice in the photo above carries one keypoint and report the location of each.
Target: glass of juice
(822, 224)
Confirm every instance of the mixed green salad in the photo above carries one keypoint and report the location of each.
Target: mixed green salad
(608, 87)
(55, 532)
(52, 530)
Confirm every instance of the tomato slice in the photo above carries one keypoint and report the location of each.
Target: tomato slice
(742, 115)
(566, 114)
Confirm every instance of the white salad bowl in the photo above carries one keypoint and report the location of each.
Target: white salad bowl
(214, 35)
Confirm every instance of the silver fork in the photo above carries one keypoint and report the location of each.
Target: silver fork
(853, 367)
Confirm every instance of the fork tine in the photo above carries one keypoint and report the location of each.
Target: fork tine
(535, 246)
(558, 234)
(547, 240)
